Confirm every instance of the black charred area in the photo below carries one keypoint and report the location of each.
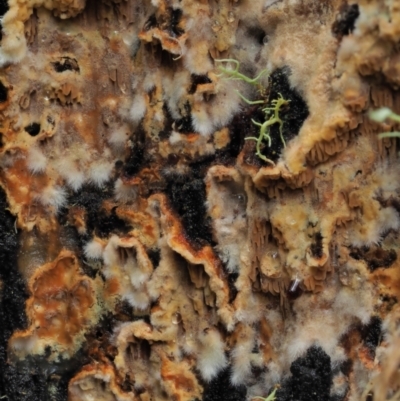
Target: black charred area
(316, 246)
(371, 334)
(137, 157)
(33, 129)
(3, 7)
(98, 221)
(240, 127)
(155, 257)
(175, 19)
(170, 22)
(187, 196)
(294, 291)
(198, 80)
(311, 378)
(3, 93)
(150, 23)
(375, 257)
(15, 383)
(184, 125)
(66, 64)
(257, 33)
(345, 20)
(232, 277)
(221, 389)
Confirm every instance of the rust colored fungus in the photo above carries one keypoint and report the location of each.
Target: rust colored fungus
(162, 259)
(61, 307)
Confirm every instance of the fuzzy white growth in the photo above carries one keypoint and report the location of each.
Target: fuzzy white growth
(123, 192)
(100, 173)
(212, 357)
(175, 138)
(202, 122)
(138, 108)
(93, 250)
(230, 255)
(207, 117)
(197, 60)
(176, 89)
(36, 161)
(75, 179)
(69, 171)
(136, 275)
(55, 197)
(348, 47)
(13, 45)
(176, 172)
(355, 306)
(370, 232)
(149, 82)
(138, 299)
(241, 357)
(126, 260)
(119, 136)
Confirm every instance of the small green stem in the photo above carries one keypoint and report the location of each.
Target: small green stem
(395, 134)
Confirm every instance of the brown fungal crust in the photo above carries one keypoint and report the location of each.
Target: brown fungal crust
(163, 259)
(61, 307)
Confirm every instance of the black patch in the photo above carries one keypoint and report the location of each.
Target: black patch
(316, 246)
(16, 384)
(257, 33)
(345, 20)
(135, 160)
(1, 140)
(346, 367)
(240, 127)
(232, 287)
(150, 23)
(184, 125)
(98, 221)
(221, 389)
(188, 199)
(33, 129)
(155, 257)
(168, 22)
(123, 313)
(137, 157)
(375, 257)
(66, 64)
(198, 80)
(370, 397)
(3, 7)
(371, 334)
(311, 378)
(294, 291)
(176, 15)
(292, 115)
(3, 93)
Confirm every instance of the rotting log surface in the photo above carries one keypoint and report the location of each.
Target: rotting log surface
(147, 252)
